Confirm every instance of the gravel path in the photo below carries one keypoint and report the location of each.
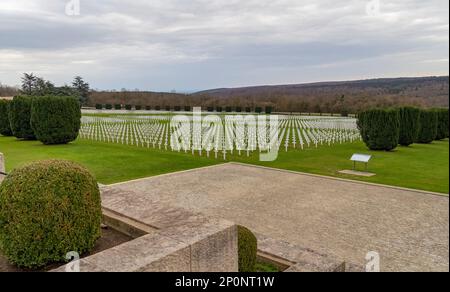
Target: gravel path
(410, 230)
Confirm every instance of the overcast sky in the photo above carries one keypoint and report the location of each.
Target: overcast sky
(200, 44)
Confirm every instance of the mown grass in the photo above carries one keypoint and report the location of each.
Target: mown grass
(424, 167)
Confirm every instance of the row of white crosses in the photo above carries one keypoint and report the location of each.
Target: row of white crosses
(220, 134)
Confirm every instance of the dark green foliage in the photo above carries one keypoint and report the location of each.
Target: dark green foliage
(210, 109)
(248, 110)
(380, 128)
(56, 119)
(48, 209)
(5, 127)
(409, 125)
(187, 108)
(428, 126)
(20, 116)
(82, 89)
(228, 109)
(442, 128)
(238, 109)
(108, 106)
(168, 108)
(117, 106)
(98, 106)
(258, 110)
(269, 110)
(138, 107)
(248, 248)
(177, 108)
(219, 109)
(158, 108)
(148, 108)
(128, 107)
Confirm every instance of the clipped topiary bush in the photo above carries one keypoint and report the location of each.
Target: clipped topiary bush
(5, 127)
(428, 126)
(20, 116)
(148, 108)
(108, 106)
(117, 106)
(128, 107)
(56, 119)
(269, 110)
(380, 128)
(48, 209)
(443, 124)
(138, 107)
(409, 125)
(98, 106)
(248, 248)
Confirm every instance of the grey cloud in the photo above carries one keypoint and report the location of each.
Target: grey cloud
(166, 44)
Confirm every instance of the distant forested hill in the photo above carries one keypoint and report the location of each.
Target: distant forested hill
(330, 97)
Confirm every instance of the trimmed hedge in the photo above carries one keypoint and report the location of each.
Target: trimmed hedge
(409, 125)
(269, 110)
(138, 107)
(128, 107)
(117, 106)
(56, 119)
(428, 126)
(148, 108)
(219, 109)
(380, 128)
(187, 108)
(442, 128)
(258, 110)
(19, 117)
(108, 106)
(247, 250)
(48, 209)
(98, 106)
(5, 127)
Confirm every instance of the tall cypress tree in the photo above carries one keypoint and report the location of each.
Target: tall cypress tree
(409, 125)
(428, 126)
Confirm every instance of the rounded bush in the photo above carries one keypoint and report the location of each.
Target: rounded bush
(20, 116)
(108, 106)
(128, 107)
(56, 119)
(443, 126)
(248, 248)
(428, 126)
(380, 128)
(138, 107)
(409, 125)
(98, 106)
(48, 209)
(117, 106)
(5, 127)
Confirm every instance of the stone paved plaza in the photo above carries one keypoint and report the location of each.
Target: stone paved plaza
(343, 219)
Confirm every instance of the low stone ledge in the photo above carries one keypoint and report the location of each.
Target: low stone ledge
(176, 240)
(299, 259)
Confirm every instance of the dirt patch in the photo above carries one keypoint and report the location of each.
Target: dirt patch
(110, 238)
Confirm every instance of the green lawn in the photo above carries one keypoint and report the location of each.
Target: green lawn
(423, 167)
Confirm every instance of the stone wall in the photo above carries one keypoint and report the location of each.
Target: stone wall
(173, 240)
